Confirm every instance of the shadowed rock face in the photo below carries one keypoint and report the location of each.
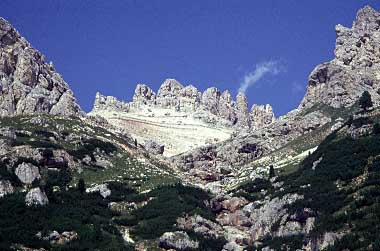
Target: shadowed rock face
(354, 69)
(27, 83)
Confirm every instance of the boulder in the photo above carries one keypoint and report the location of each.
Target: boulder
(154, 147)
(6, 188)
(36, 197)
(234, 204)
(177, 240)
(103, 190)
(27, 173)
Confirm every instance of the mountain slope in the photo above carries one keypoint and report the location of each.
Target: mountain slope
(333, 88)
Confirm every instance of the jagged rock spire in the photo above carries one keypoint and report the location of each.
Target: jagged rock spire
(211, 103)
(355, 68)
(27, 83)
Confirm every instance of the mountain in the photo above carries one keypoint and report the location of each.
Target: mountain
(27, 83)
(182, 118)
(332, 92)
(185, 170)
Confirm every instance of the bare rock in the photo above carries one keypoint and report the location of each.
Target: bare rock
(36, 197)
(243, 119)
(261, 115)
(28, 84)
(102, 189)
(6, 188)
(27, 173)
(234, 204)
(154, 147)
(177, 240)
(143, 95)
(210, 100)
(109, 103)
(168, 94)
(340, 82)
(200, 225)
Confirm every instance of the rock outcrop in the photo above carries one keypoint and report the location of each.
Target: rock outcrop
(354, 69)
(143, 95)
(6, 188)
(154, 147)
(102, 189)
(109, 103)
(36, 197)
(27, 83)
(211, 106)
(27, 173)
(261, 115)
(177, 240)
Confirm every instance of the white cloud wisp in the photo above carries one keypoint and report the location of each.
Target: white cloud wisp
(262, 69)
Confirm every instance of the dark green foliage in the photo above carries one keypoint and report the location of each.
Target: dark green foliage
(169, 203)
(122, 192)
(252, 190)
(359, 122)
(81, 186)
(343, 160)
(44, 134)
(365, 101)
(290, 243)
(87, 214)
(376, 128)
(208, 244)
(271, 172)
(90, 145)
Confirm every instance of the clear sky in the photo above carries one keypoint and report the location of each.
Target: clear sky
(110, 46)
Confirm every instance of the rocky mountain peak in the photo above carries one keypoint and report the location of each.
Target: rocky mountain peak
(169, 88)
(355, 68)
(261, 115)
(242, 110)
(109, 103)
(367, 21)
(27, 83)
(143, 94)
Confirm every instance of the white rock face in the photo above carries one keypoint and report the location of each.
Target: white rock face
(27, 173)
(108, 103)
(36, 197)
(355, 68)
(27, 83)
(180, 117)
(143, 95)
(6, 188)
(102, 189)
(261, 115)
(177, 240)
(243, 118)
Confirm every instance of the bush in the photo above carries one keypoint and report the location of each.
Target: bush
(365, 101)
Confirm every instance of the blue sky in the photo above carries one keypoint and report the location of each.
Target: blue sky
(110, 46)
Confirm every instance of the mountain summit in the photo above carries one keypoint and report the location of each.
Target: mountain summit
(27, 83)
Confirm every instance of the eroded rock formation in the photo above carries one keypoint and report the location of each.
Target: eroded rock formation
(27, 83)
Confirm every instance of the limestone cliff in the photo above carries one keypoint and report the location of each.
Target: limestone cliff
(354, 69)
(27, 83)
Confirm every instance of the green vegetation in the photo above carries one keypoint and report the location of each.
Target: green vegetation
(344, 188)
(168, 203)
(365, 101)
(251, 190)
(87, 214)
